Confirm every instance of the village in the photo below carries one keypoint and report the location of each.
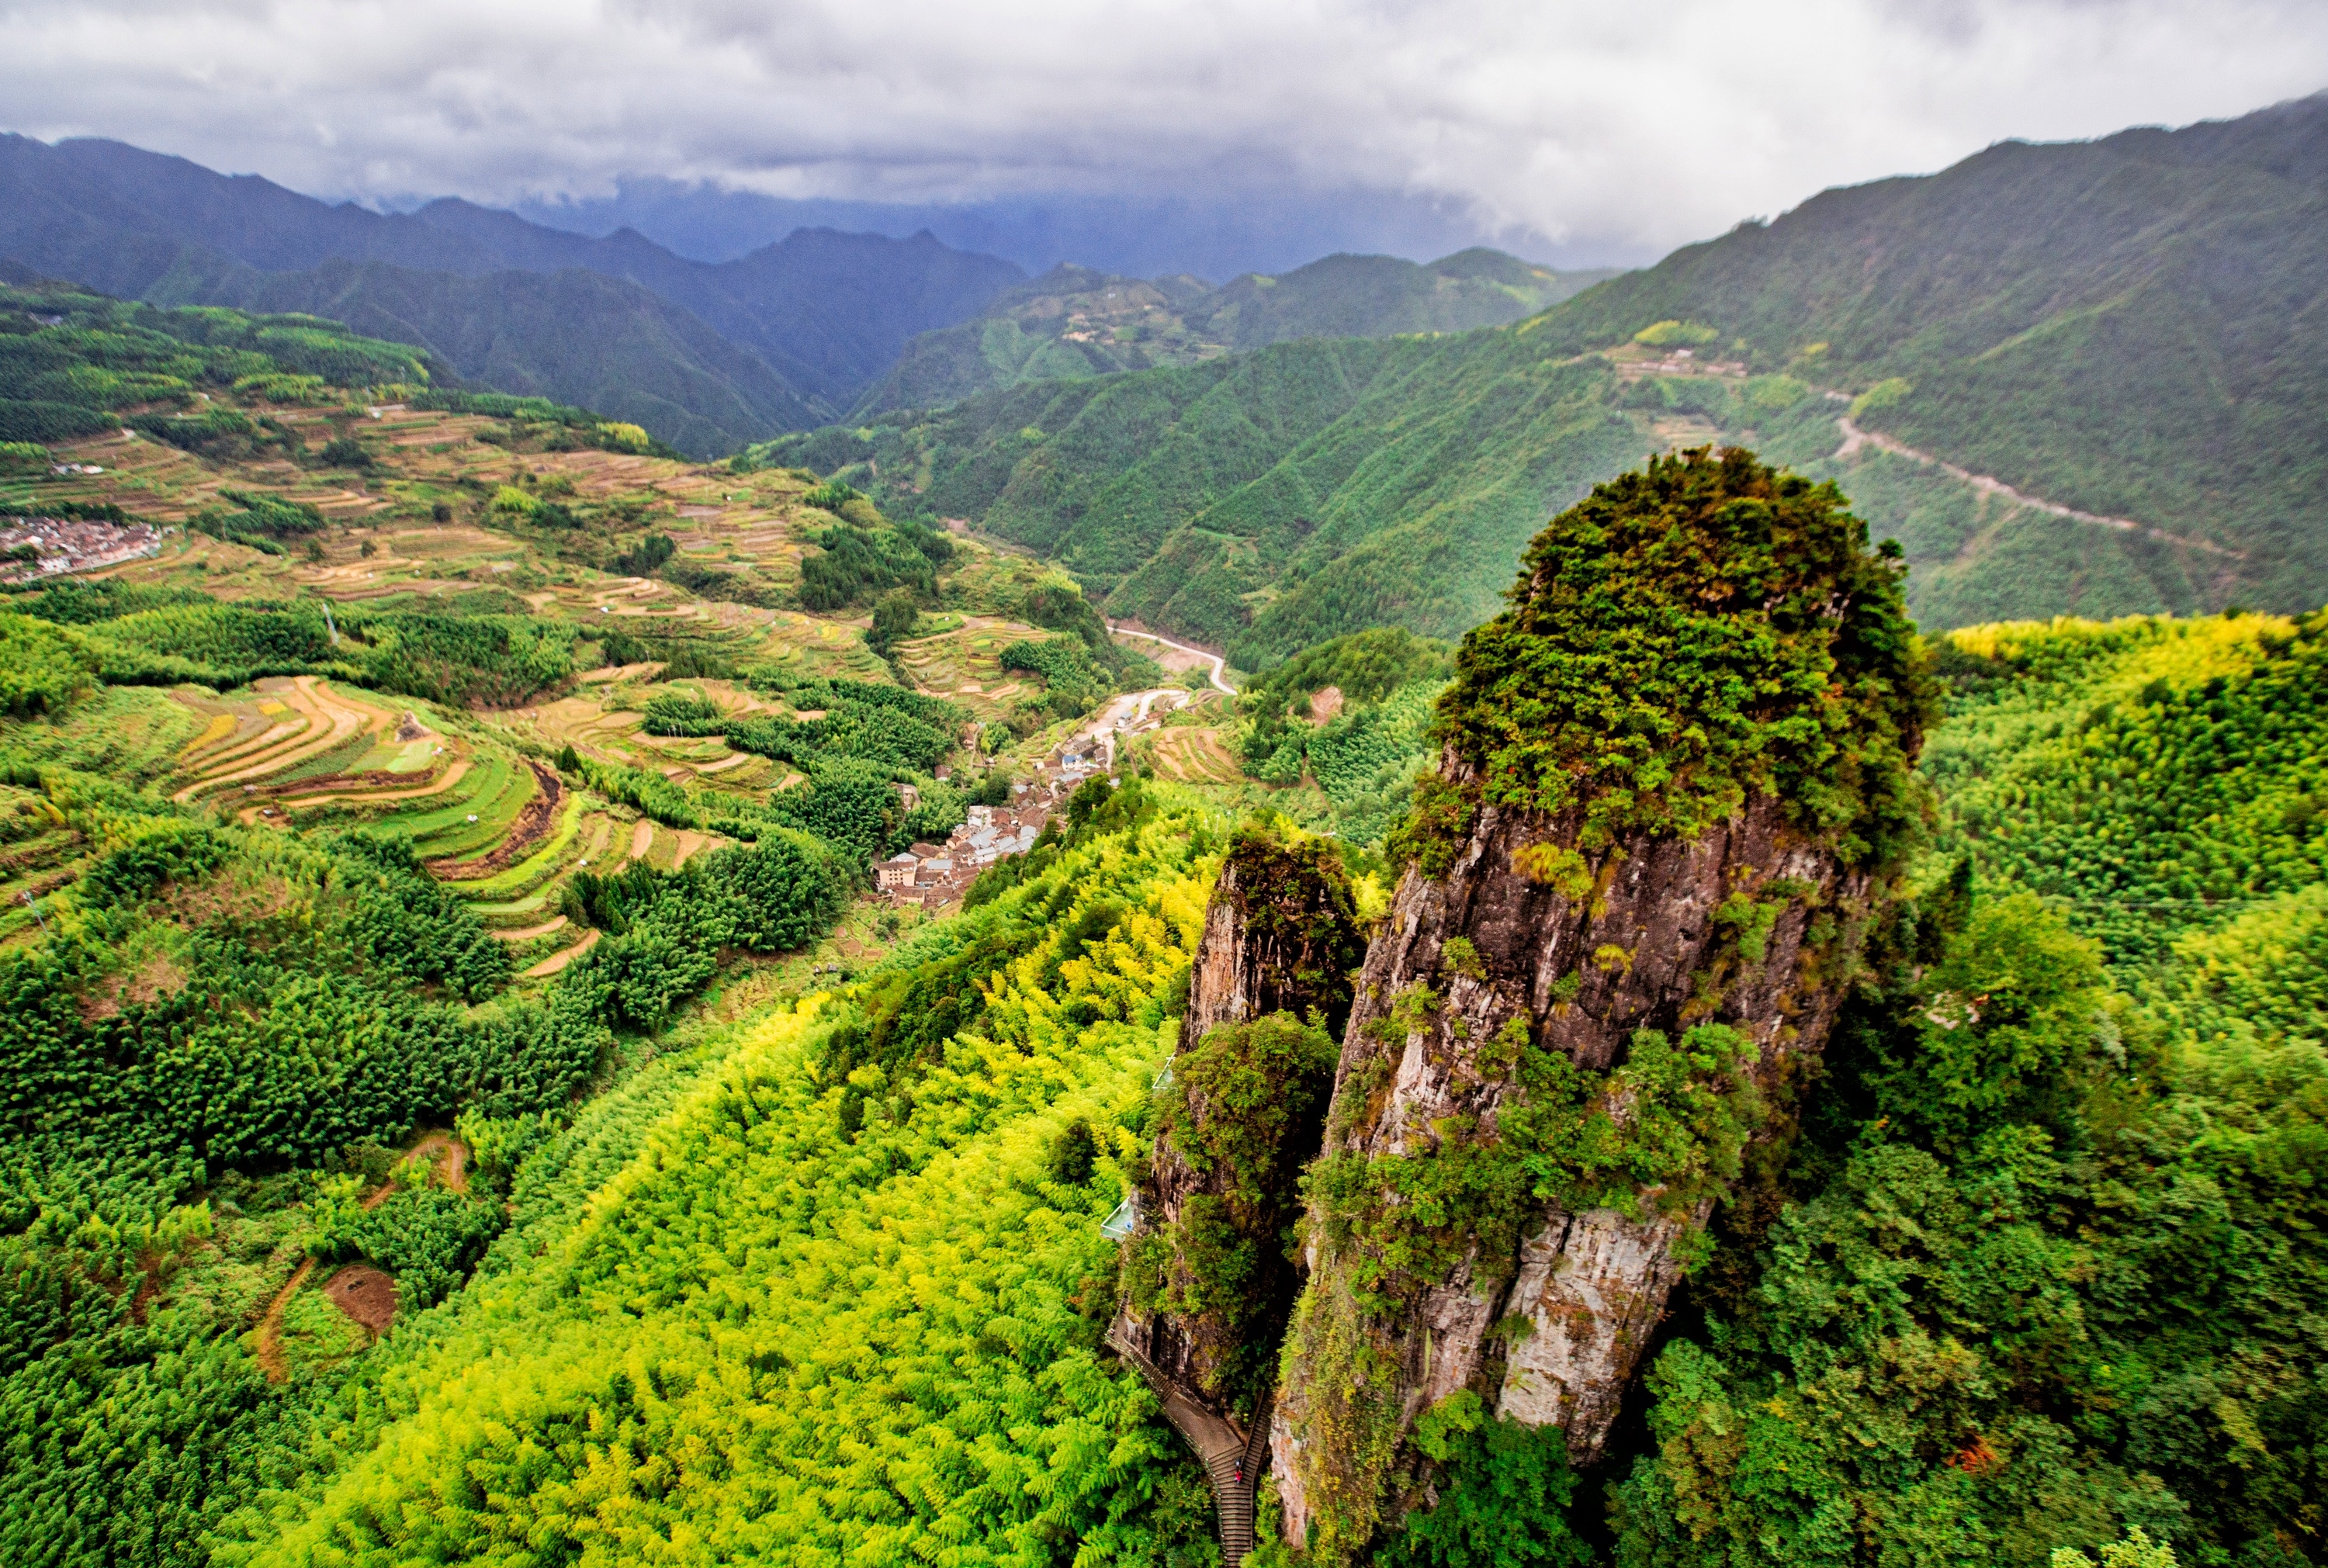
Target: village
(931, 875)
(32, 547)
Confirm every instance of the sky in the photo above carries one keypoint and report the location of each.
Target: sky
(1607, 132)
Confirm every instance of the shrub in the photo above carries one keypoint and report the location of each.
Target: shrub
(41, 668)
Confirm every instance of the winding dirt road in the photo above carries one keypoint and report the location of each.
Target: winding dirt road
(1854, 438)
(1215, 659)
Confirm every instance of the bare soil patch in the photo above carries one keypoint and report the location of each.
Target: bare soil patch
(365, 1294)
(142, 986)
(270, 1325)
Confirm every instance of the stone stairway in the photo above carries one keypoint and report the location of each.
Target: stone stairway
(1232, 1458)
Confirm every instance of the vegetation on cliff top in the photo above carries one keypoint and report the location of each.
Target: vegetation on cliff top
(1688, 636)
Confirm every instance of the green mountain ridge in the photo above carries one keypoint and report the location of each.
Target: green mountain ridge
(638, 358)
(1074, 323)
(2124, 327)
(2131, 326)
(707, 355)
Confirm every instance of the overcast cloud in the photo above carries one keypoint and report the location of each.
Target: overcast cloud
(1631, 126)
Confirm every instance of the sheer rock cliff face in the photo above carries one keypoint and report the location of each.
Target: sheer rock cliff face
(1280, 936)
(1209, 1278)
(1551, 1330)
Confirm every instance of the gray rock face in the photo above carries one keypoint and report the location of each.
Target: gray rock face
(1591, 1287)
(1547, 1324)
(1278, 937)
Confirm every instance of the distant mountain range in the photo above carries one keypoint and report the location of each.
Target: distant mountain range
(707, 354)
(2086, 378)
(771, 341)
(1074, 323)
(1246, 221)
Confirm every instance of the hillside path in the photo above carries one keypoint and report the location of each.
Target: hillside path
(455, 1174)
(1215, 659)
(1232, 1460)
(1854, 438)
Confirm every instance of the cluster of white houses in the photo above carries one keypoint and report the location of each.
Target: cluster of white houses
(938, 873)
(42, 547)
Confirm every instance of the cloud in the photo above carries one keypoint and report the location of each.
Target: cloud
(1631, 127)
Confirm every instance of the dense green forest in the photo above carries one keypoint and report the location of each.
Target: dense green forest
(2045, 1258)
(222, 1035)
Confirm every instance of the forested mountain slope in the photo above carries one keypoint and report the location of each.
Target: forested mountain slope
(2133, 326)
(572, 336)
(1074, 323)
(1382, 296)
(2123, 329)
(1308, 488)
(909, 1367)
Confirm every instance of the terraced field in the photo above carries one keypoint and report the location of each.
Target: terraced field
(964, 663)
(303, 751)
(1194, 755)
(289, 731)
(429, 525)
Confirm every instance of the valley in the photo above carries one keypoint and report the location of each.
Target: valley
(1452, 916)
(1263, 502)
